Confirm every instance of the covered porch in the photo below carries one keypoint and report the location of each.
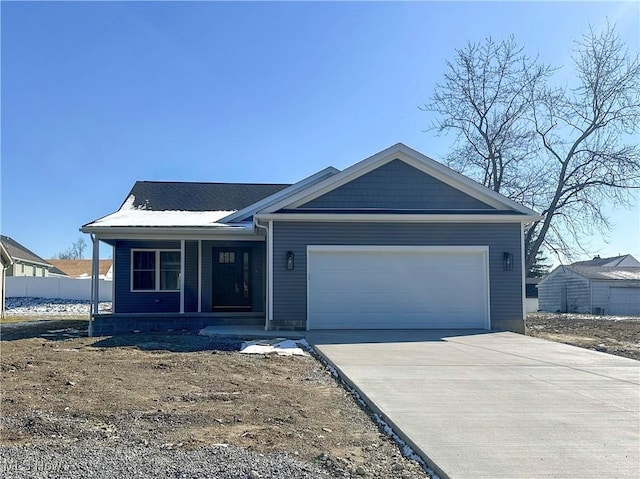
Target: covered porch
(181, 283)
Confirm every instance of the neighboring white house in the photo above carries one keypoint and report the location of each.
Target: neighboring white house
(24, 261)
(598, 286)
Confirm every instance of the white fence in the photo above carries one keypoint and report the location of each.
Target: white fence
(54, 287)
(531, 305)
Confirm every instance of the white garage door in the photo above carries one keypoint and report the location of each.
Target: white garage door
(391, 287)
(624, 301)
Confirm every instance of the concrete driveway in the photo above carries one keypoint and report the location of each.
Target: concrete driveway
(497, 405)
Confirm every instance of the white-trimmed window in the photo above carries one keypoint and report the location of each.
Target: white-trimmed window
(155, 270)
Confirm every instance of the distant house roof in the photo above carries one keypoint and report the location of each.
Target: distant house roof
(18, 252)
(614, 261)
(80, 267)
(607, 272)
(617, 268)
(182, 196)
(57, 271)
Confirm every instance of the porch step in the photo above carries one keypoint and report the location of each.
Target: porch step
(106, 325)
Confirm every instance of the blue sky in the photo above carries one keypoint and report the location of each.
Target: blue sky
(98, 95)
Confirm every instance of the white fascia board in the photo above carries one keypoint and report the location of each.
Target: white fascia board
(413, 158)
(280, 195)
(30, 261)
(6, 254)
(564, 269)
(397, 218)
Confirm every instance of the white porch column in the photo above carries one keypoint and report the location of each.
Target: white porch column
(95, 281)
(199, 276)
(182, 255)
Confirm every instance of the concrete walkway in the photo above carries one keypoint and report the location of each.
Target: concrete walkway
(497, 405)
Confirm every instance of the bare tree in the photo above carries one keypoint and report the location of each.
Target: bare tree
(75, 251)
(563, 152)
(587, 134)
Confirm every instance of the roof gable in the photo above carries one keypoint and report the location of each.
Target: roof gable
(17, 251)
(419, 162)
(396, 185)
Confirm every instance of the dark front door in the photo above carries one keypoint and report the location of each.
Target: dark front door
(231, 279)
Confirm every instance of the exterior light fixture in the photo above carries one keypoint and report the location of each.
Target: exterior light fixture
(290, 259)
(507, 261)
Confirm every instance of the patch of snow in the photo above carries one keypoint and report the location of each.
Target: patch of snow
(130, 215)
(140, 217)
(280, 346)
(51, 307)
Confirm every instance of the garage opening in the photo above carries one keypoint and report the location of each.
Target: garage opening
(397, 287)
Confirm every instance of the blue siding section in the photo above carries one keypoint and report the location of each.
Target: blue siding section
(396, 185)
(127, 301)
(290, 287)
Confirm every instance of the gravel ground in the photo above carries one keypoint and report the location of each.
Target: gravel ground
(619, 335)
(89, 459)
(177, 405)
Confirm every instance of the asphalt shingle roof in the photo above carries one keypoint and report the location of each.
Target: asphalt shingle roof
(597, 261)
(607, 272)
(184, 196)
(17, 251)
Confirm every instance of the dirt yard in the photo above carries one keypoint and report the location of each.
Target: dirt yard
(609, 334)
(184, 392)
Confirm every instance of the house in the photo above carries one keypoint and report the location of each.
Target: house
(598, 286)
(81, 268)
(24, 261)
(395, 241)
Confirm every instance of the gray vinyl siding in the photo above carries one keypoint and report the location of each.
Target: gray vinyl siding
(396, 185)
(290, 287)
(564, 291)
(127, 301)
(257, 272)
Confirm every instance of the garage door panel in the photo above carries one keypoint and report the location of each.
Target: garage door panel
(384, 320)
(624, 301)
(396, 302)
(386, 288)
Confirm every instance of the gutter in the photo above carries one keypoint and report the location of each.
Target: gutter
(398, 218)
(195, 230)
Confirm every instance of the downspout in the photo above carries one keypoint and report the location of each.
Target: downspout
(267, 305)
